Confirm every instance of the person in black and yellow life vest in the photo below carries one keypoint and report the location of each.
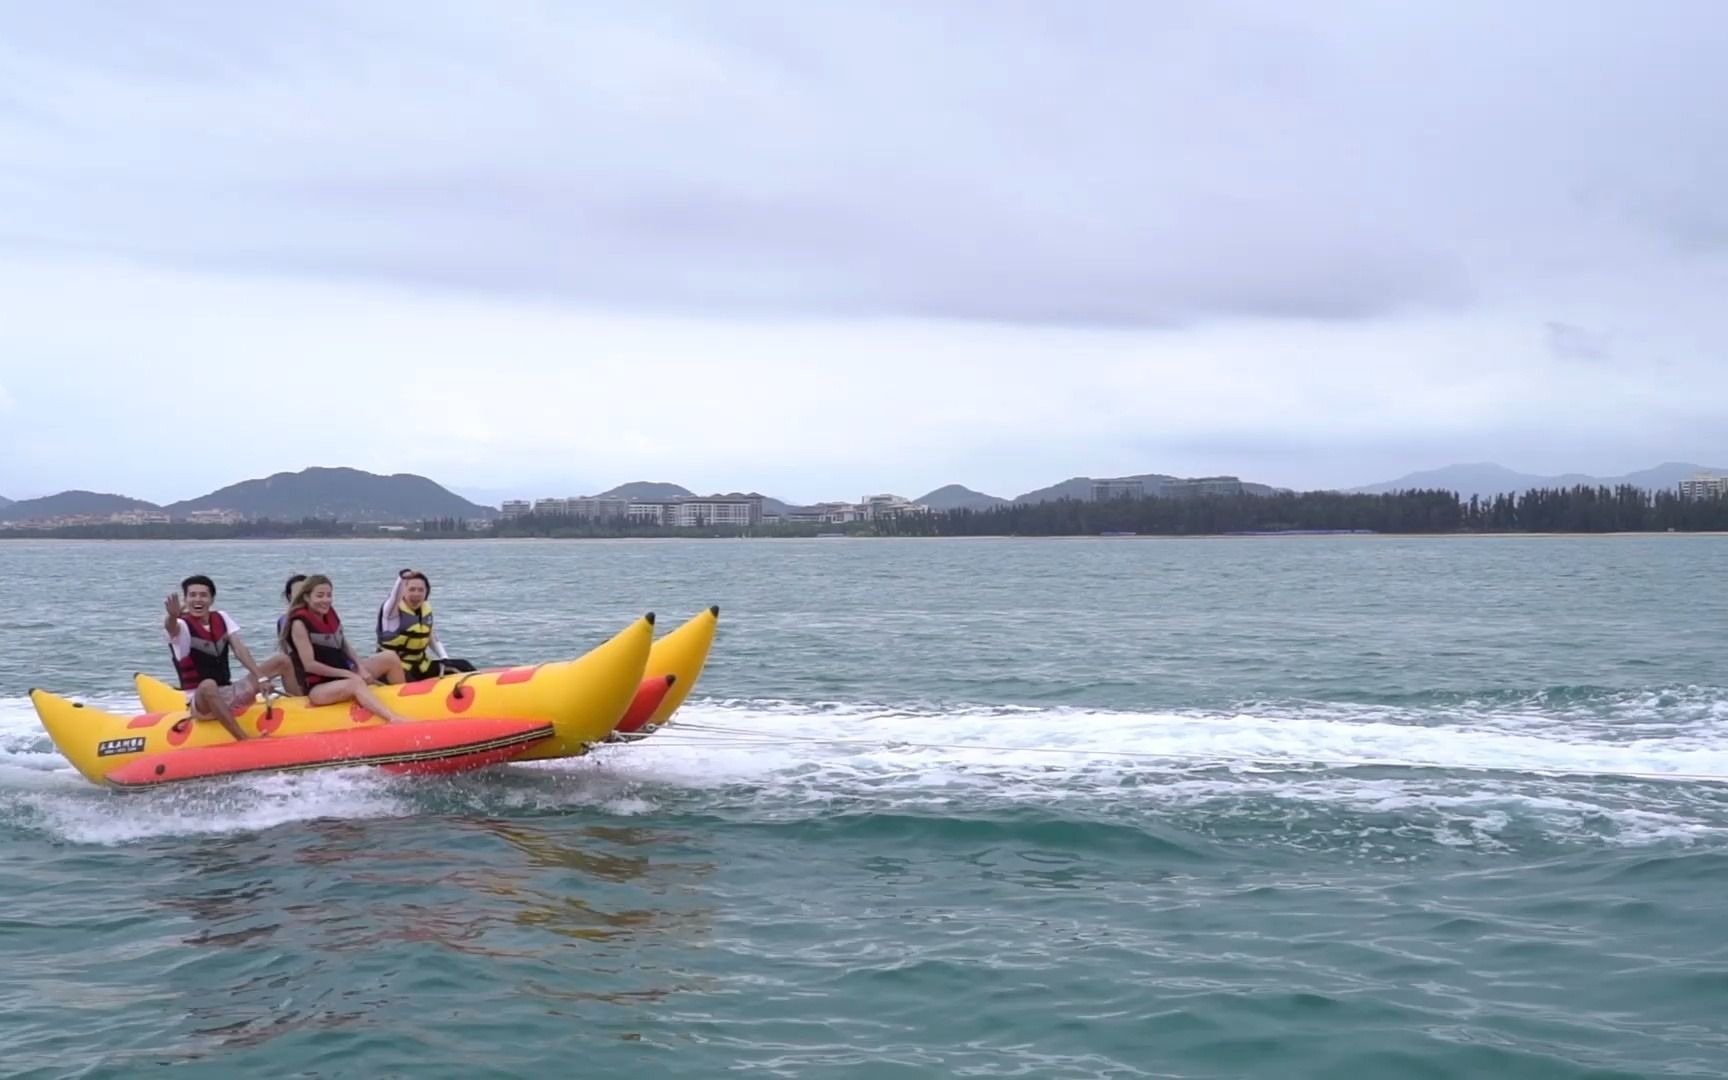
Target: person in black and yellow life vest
(405, 628)
(324, 661)
(200, 640)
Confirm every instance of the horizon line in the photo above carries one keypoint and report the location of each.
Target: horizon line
(1701, 472)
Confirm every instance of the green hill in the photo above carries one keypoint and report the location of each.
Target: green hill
(71, 502)
(959, 497)
(1156, 484)
(342, 494)
(646, 491)
(1080, 487)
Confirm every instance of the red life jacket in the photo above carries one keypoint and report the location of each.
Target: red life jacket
(326, 636)
(208, 656)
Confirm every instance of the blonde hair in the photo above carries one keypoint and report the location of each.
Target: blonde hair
(296, 601)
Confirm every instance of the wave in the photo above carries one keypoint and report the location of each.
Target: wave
(1620, 768)
(1607, 712)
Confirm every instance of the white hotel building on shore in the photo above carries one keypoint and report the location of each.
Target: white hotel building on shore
(871, 508)
(1704, 486)
(699, 511)
(127, 517)
(686, 511)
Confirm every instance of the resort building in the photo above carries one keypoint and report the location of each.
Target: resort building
(1704, 486)
(140, 517)
(870, 508)
(1105, 490)
(698, 511)
(702, 511)
(1205, 485)
(582, 508)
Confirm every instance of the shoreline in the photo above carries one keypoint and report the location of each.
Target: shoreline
(414, 538)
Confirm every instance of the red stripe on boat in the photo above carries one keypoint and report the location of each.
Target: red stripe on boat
(649, 695)
(454, 745)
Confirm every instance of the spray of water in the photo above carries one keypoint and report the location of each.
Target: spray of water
(1622, 768)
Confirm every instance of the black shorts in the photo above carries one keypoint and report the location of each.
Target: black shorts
(441, 668)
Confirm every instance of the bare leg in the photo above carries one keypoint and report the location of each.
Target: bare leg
(385, 667)
(208, 703)
(352, 688)
(367, 698)
(281, 667)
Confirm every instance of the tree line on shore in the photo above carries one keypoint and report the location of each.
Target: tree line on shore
(187, 530)
(1581, 509)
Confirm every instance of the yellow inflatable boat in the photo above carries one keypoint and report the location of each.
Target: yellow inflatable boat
(681, 654)
(582, 699)
(678, 656)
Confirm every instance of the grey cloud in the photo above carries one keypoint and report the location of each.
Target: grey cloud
(1575, 343)
(1122, 165)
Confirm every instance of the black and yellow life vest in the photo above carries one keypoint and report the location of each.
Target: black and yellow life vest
(411, 639)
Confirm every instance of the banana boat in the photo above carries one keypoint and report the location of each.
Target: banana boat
(674, 664)
(437, 747)
(155, 748)
(583, 699)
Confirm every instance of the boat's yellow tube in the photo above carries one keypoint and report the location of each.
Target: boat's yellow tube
(681, 654)
(583, 698)
(588, 696)
(150, 749)
(96, 742)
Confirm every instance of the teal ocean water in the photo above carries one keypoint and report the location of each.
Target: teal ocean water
(1311, 807)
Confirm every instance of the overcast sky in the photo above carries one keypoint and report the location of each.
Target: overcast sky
(819, 250)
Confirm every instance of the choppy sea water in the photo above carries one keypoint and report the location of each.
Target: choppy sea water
(1055, 808)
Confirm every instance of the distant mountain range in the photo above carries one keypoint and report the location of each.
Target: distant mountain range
(354, 495)
(958, 497)
(340, 493)
(346, 494)
(71, 502)
(1487, 479)
(949, 497)
(1080, 487)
